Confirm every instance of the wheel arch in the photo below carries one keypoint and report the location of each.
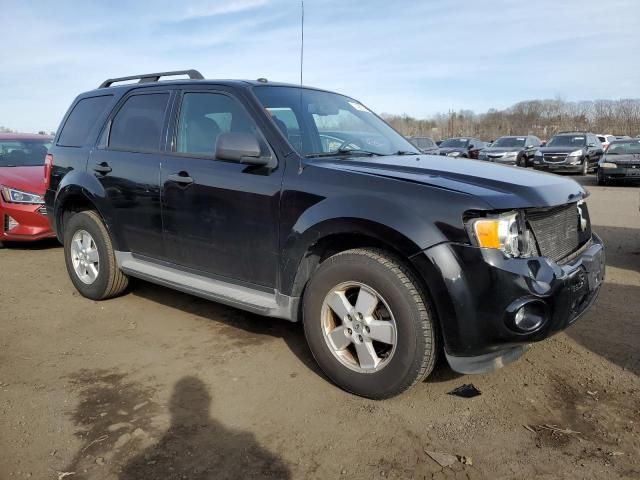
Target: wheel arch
(337, 235)
(80, 192)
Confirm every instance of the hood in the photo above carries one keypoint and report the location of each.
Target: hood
(28, 179)
(500, 186)
(560, 149)
(501, 149)
(626, 158)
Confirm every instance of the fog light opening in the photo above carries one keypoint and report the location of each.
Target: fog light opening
(529, 317)
(10, 223)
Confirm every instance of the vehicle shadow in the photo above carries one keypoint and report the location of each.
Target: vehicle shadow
(244, 322)
(610, 329)
(198, 447)
(622, 246)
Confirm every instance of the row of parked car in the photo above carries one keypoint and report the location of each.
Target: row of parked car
(612, 157)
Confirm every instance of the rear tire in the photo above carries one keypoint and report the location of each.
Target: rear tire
(380, 298)
(90, 257)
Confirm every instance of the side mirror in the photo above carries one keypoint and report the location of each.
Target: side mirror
(239, 147)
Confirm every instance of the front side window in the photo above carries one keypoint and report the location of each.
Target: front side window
(137, 127)
(23, 153)
(204, 116)
(321, 123)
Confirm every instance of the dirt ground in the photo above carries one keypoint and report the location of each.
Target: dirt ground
(158, 384)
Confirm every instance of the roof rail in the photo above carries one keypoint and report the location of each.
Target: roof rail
(152, 77)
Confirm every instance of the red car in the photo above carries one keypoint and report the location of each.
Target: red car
(22, 173)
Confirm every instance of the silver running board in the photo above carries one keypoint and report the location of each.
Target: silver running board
(270, 304)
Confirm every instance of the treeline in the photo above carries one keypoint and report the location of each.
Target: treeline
(538, 117)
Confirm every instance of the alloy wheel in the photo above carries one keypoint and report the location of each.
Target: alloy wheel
(85, 257)
(358, 327)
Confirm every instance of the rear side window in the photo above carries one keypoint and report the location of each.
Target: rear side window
(137, 127)
(81, 120)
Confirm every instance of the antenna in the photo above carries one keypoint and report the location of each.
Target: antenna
(301, 39)
(300, 164)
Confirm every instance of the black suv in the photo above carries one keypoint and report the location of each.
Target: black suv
(576, 152)
(302, 204)
(512, 150)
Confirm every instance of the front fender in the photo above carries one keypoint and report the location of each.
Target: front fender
(370, 216)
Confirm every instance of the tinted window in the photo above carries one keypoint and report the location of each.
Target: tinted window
(138, 124)
(81, 120)
(204, 116)
(23, 153)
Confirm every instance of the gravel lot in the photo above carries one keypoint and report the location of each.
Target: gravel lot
(158, 384)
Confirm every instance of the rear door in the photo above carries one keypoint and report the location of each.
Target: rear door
(220, 218)
(127, 164)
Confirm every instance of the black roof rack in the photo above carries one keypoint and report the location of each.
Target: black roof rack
(152, 77)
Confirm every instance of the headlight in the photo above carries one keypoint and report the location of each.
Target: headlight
(608, 165)
(506, 232)
(11, 195)
(453, 154)
(577, 153)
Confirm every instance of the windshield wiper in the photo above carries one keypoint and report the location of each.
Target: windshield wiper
(345, 153)
(404, 152)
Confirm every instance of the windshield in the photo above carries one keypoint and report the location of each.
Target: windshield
(509, 142)
(423, 142)
(324, 124)
(23, 153)
(455, 143)
(567, 141)
(624, 148)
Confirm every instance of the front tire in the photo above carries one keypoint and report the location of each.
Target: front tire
(90, 257)
(585, 168)
(368, 324)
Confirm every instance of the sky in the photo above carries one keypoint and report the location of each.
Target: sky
(416, 57)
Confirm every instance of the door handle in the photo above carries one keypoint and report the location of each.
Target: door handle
(102, 168)
(182, 178)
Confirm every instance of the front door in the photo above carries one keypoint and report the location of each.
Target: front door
(220, 218)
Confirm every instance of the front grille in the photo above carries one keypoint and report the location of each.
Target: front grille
(557, 230)
(554, 157)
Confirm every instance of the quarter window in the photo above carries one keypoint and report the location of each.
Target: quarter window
(137, 127)
(82, 119)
